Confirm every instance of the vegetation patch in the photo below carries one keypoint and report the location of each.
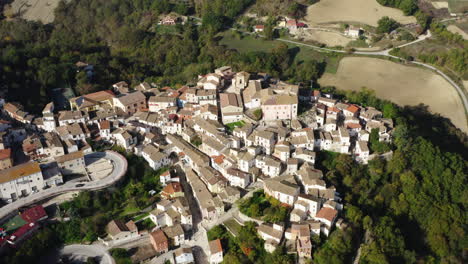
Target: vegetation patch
(233, 125)
(267, 208)
(247, 247)
(233, 226)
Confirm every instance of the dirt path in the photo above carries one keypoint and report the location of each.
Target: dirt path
(401, 84)
(361, 11)
(455, 29)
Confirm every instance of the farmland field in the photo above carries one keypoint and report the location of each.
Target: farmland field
(358, 11)
(331, 39)
(401, 84)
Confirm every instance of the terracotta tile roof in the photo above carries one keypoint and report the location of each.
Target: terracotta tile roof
(215, 246)
(158, 236)
(352, 109)
(218, 159)
(19, 171)
(5, 154)
(171, 188)
(105, 124)
(291, 22)
(353, 125)
(116, 226)
(327, 213)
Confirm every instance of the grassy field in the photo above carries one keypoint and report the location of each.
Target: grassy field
(401, 84)
(250, 43)
(357, 11)
(231, 126)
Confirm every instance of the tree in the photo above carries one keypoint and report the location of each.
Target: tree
(386, 25)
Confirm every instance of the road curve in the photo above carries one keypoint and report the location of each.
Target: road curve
(120, 168)
(85, 251)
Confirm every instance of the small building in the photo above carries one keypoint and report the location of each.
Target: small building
(72, 163)
(216, 252)
(231, 107)
(159, 241)
(361, 152)
(327, 216)
(130, 103)
(172, 190)
(20, 180)
(353, 32)
(51, 174)
(5, 159)
(175, 234)
(184, 256)
(118, 231)
(259, 28)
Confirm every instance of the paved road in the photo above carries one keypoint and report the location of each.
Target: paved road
(82, 252)
(120, 168)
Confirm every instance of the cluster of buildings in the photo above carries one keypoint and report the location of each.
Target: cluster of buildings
(188, 124)
(283, 22)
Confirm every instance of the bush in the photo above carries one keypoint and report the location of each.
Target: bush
(386, 25)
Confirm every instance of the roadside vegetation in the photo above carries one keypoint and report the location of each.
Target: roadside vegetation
(263, 207)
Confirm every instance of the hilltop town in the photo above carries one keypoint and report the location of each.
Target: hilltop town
(233, 135)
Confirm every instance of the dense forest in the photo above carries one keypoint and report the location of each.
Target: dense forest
(413, 207)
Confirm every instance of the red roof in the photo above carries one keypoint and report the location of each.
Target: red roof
(327, 213)
(218, 159)
(5, 154)
(259, 26)
(105, 124)
(34, 214)
(353, 125)
(22, 231)
(352, 108)
(333, 109)
(171, 188)
(291, 22)
(300, 24)
(182, 89)
(215, 246)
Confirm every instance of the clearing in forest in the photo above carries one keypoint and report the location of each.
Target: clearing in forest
(357, 11)
(37, 10)
(404, 85)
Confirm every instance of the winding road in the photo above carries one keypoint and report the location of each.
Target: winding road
(384, 53)
(119, 169)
